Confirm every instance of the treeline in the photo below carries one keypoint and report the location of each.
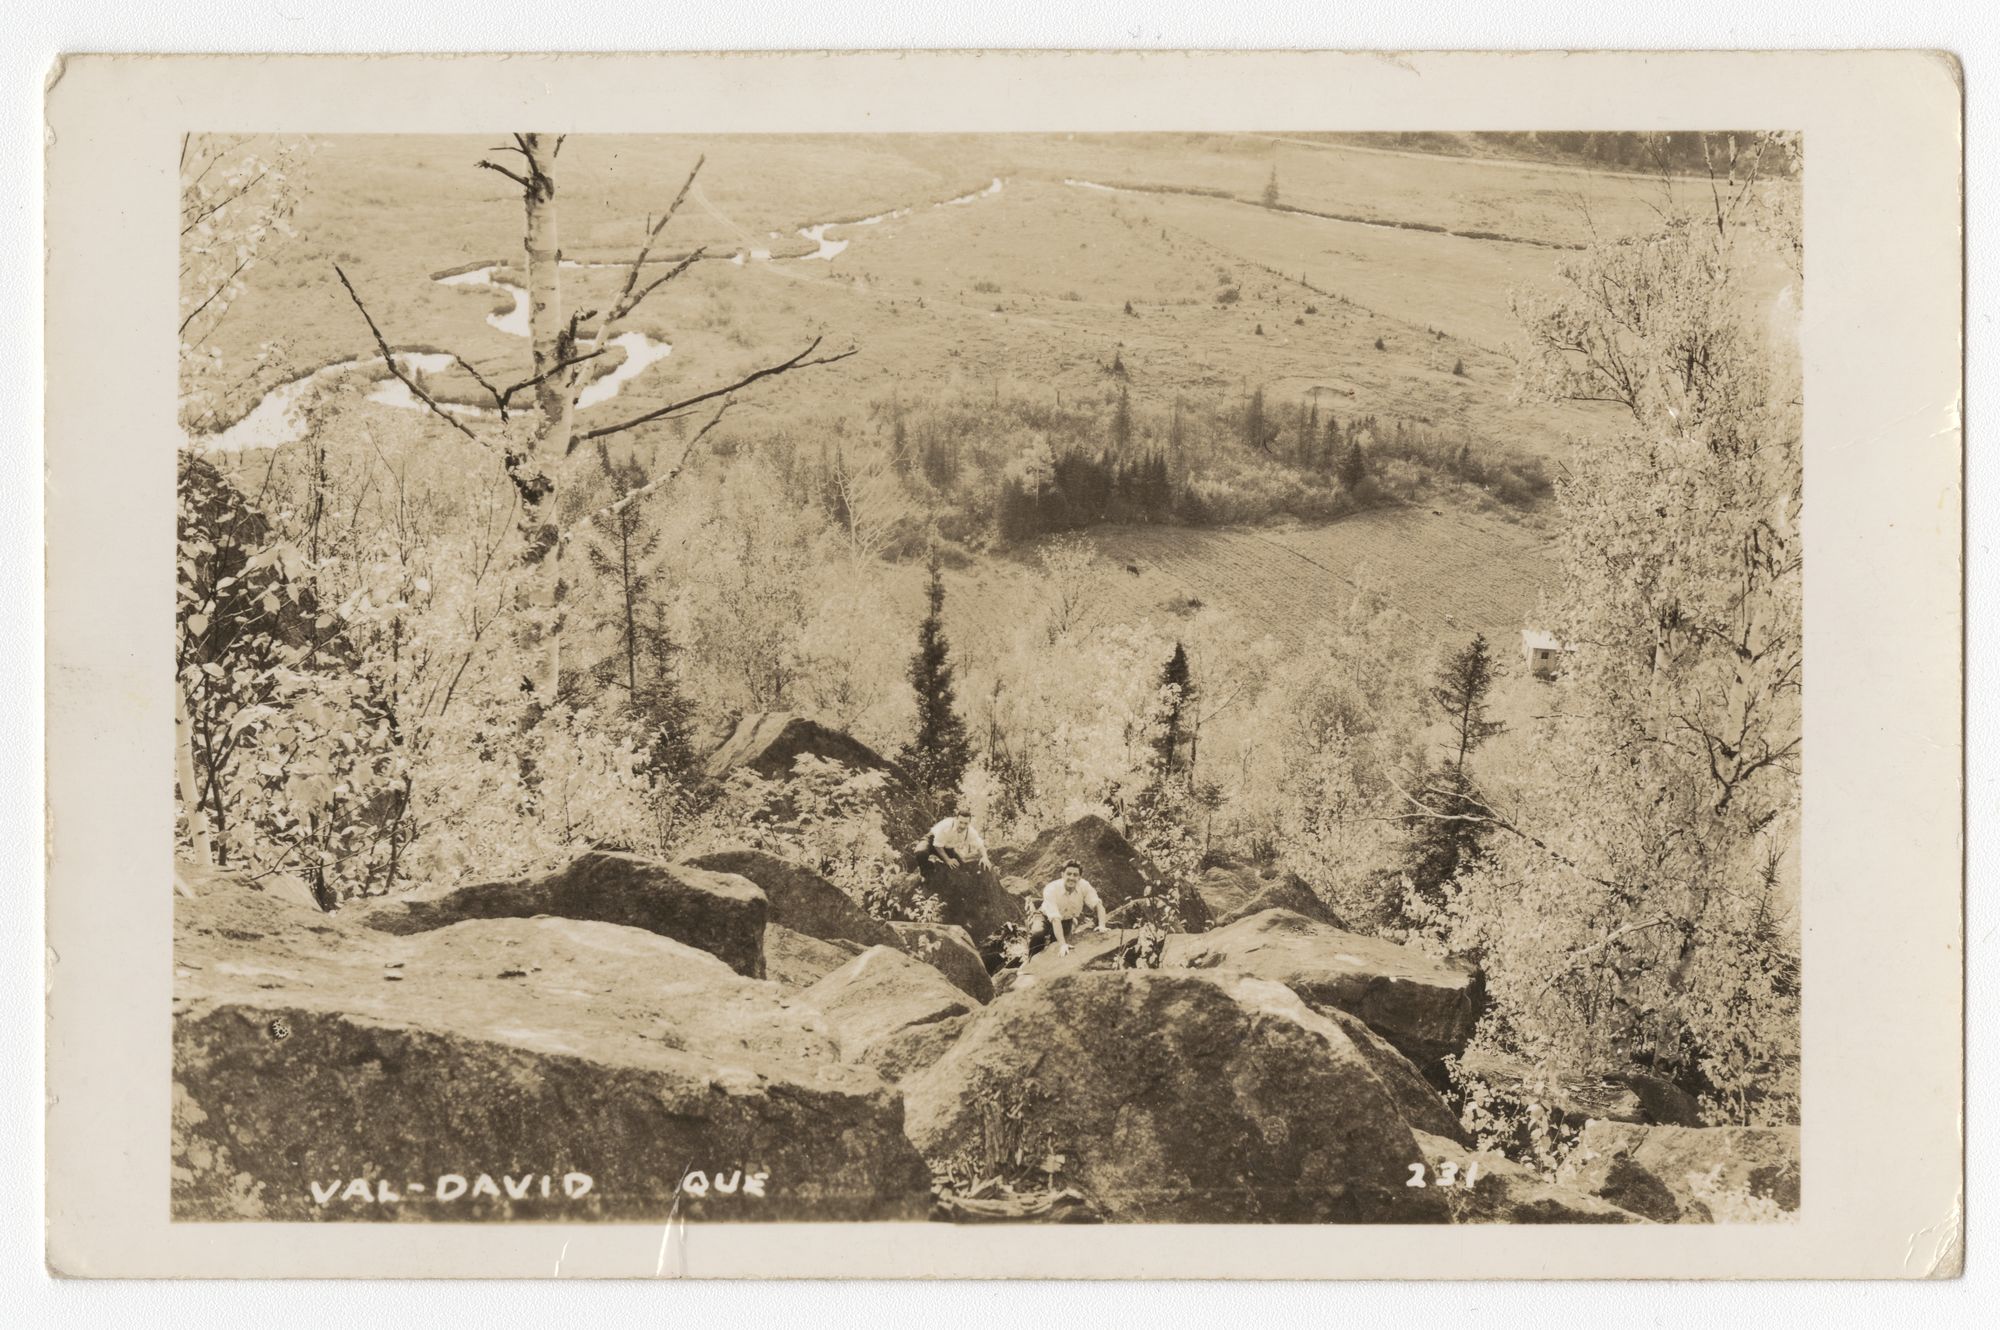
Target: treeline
(1680, 153)
(1011, 468)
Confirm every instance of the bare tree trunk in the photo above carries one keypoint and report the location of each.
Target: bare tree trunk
(204, 850)
(554, 402)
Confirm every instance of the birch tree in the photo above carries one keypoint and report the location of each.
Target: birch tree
(537, 446)
(1633, 903)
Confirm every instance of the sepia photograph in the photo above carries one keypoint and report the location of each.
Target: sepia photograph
(989, 678)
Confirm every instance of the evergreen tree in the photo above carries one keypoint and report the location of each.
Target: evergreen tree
(1255, 430)
(1271, 188)
(937, 756)
(1449, 838)
(1452, 836)
(1354, 465)
(1121, 420)
(1460, 691)
(1174, 676)
(618, 550)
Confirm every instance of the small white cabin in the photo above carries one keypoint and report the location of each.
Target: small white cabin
(1542, 652)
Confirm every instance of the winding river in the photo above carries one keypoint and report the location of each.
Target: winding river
(277, 420)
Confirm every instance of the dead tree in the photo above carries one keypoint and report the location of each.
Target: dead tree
(536, 446)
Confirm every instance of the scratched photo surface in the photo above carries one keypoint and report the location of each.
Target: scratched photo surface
(1208, 678)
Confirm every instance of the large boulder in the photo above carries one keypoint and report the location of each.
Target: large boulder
(1425, 1007)
(948, 949)
(1684, 1174)
(1419, 1104)
(1168, 1096)
(971, 896)
(914, 1047)
(879, 994)
(796, 960)
(720, 913)
(1117, 870)
(323, 1071)
(801, 899)
(1089, 950)
(1622, 1096)
(768, 744)
(1482, 1187)
(1283, 891)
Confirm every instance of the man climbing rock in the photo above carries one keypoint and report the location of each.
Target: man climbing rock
(955, 841)
(1063, 903)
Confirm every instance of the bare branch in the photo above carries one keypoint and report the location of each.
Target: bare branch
(224, 203)
(632, 496)
(525, 384)
(622, 305)
(659, 282)
(803, 360)
(483, 382)
(389, 358)
(495, 166)
(220, 287)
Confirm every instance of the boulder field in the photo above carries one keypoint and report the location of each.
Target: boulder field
(1172, 1096)
(734, 1038)
(585, 1070)
(720, 913)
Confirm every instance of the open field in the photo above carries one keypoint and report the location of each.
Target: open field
(1450, 574)
(1024, 289)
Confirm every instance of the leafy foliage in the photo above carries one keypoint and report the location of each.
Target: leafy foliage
(1635, 906)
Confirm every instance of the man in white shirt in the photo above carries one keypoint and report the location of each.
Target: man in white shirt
(1063, 903)
(956, 840)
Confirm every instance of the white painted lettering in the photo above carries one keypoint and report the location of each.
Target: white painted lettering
(451, 1186)
(483, 1186)
(576, 1185)
(754, 1184)
(517, 1192)
(322, 1197)
(728, 1188)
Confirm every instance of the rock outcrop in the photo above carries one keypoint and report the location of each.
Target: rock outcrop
(1682, 1174)
(720, 913)
(914, 1047)
(508, 1068)
(1425, 1007)
(769, 743)
(879, 994)
(796, 960)
(1481, 1187)
(801, 899)
(1163, 1096)
(1283, 891)
(948, 949)
(1420, 1105)
(972, 897)
(1625, 1096)
(1117, 870)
